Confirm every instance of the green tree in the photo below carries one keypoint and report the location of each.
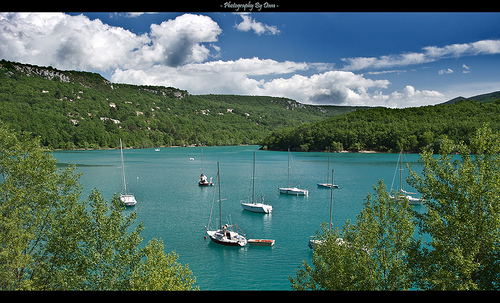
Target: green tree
(34, 198)
(161, 271)
(109, 252)
(462, 215)
(50, 240)
(369, 255)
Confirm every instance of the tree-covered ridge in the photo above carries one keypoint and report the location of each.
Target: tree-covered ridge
(72, 109)
(385, 129)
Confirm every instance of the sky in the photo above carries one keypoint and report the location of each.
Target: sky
(359, 59)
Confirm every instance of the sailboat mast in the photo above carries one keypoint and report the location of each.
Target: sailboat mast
(328, 167)
(331, 203)
(288, 180)
(220, 201)
(253, 178)
(123, 168)
(401, 171)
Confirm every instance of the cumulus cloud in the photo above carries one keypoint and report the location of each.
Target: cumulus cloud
(241, 77)
(178, 41)
(259, 28)
(411, 97)
(176, 52)
(332, 87)
(429, 54)
(76, 42)
(65, 42)
(225, 77)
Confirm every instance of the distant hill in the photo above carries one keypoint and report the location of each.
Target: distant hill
(385, 129)
(73, 109)
(484, 98)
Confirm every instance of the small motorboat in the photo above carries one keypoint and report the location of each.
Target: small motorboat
(261, 242)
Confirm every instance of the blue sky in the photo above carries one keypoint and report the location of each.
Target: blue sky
(375, 59)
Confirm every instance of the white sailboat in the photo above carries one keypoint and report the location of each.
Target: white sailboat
(292, 190)
(258, 207)
(328, 185)
(203, 179)
(227, 234)
(402, 194)
(127, 199)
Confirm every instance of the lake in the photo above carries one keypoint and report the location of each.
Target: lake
(174, 208)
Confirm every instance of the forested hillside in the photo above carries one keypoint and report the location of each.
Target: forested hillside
(384, 129)
(71, 109)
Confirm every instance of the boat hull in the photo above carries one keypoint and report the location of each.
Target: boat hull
(313, 243)
(293, 191)
(128, 200)
(261, 242)
(219, 238)
(327, 185)
(257, 207)
(412, 200)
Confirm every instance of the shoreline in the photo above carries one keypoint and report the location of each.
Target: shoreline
(194, 145)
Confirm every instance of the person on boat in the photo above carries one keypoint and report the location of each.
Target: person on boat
(224, 229)
(203, 178)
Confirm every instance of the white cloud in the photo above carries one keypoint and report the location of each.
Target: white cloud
(178, 41)
(445, 71)
(238, 77)
(258, 27)
(466, 69)
(359, 63)
(332, 87)
(397, 71)
(67, 42)
(76, 42)
(225, 77)
(175, 53)
(429, 54)
(411, 97)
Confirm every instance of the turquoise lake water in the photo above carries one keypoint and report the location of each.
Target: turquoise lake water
(174, 208)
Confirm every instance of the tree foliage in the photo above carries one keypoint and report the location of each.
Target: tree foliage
(461, 221)
(50, 240)
(462, 217)
(70, 109)
(370, 254)
(385, 129)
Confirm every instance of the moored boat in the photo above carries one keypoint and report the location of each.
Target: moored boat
(327, 184)
(224, 235)
(258, 207)
(292, 190)
(228, 237)
(261, 242)
(203, 178)
(127, 199)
